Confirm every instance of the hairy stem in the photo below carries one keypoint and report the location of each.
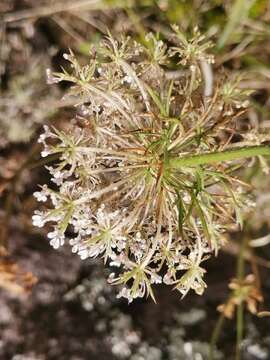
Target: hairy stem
(219, 156)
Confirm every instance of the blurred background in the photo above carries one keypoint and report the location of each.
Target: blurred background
(52, 304)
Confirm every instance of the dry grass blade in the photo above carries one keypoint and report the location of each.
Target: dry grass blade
(237, 13)
(59, 7)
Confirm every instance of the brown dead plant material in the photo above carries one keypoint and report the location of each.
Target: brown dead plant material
(14, 279)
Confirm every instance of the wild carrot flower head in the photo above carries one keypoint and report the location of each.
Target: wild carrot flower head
(137, 179)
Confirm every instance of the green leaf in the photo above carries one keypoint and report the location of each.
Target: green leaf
(203, 220)
(67, 217)
(238, 13)
(156, 100)
(168, 102)
(181, 213)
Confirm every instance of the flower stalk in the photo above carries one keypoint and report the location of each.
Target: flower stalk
(219, 156)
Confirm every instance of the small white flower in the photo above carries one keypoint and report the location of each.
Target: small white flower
(38, 220)
(40, 196)
(167, 279)
(51, 79)
(45, 153)
(155, 278)
(58, 176)
(57, 239)
(116, 260)
(125, 293)
(83, 253)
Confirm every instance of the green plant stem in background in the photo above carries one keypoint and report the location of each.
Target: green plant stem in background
(239, 330)
(238, 12)
(219, 156)
(240, 307)
(240, 274)
(215, 335)
(136, 21)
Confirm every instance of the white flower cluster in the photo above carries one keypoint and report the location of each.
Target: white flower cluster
(117, 193)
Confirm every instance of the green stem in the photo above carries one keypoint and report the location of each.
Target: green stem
(215, 335)
(237, 13)
(240, 307)
(219, 156)
(239, 330)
